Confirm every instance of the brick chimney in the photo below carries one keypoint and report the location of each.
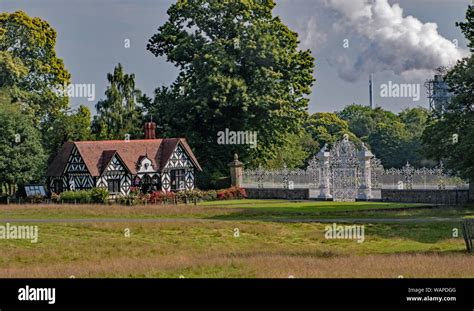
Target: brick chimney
(150, 130)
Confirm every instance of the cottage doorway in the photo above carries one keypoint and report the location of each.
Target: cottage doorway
(146, 184)
(150, 184)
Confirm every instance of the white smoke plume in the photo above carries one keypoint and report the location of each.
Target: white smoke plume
(402, 44)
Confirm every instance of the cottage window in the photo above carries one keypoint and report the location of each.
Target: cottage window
(114, 185)
(58, 186)
(177, 180)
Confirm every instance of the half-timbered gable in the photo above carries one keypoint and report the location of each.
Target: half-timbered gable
(178, 173)
(115, 176)
(75, 163)
(58, 181)
(151, 164)
(78, 176)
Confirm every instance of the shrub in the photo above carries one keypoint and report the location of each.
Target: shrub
(126, 200)
(224, 194)
(136, 191)
(160, 196)
(94, 195)
(133, 198)
(36, 198)
(210, 195)
(231, 193)
(56, 198)
(195, 195)
(241, 193)
(81, 196)
(190, 195)
(99, 195)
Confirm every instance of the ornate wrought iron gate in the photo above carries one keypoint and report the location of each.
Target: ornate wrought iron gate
(345, 171)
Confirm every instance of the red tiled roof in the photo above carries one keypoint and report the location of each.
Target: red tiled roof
(96, 154)
(56, 167)
(105, 160)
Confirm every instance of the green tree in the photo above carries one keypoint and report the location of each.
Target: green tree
(12, 70)
(415, 121)
(380, 115)
(373, 127)
(451, 136)
(22, 158)
(363, 120)
(79, 124)
(67, 127)
(328, 128)
(31, 73)
(119, 113)
(388, 142)
(30, 44)
(295, 152)
(240, 68)
(360, 119)
(467, 27)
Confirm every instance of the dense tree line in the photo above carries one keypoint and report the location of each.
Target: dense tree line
(395, 139)
(239, 69)
(30, 71)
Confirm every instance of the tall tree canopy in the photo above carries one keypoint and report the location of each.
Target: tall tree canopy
(67, 127)
(415, 121)
(388, 142)
(29, 44)
(12, 70)
(120, 112)
(360, 119)
(22, 158)
(451, 136)
(240, 69)
(467, 27)
(328, 128)
(31, 74)
(395, 139)
(295, 152)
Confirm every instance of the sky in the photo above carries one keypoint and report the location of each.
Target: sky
(400, 42)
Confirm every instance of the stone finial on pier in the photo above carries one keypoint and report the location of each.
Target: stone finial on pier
(236, 172)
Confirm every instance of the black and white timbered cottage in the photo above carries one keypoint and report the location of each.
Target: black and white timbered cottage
(151, 164)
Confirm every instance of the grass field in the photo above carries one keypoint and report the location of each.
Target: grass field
(275, 239)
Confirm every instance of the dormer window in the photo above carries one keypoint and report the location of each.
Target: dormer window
(145, 165)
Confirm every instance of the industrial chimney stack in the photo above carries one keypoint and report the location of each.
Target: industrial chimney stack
(371, 92)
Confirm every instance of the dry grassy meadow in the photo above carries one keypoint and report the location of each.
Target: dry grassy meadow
(249, 238)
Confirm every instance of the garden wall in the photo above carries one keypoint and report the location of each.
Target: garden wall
(274, 193)
(448, 197)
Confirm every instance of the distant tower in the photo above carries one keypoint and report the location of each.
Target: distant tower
(371, 92)
(438, 91)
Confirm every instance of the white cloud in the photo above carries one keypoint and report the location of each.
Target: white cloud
(310, 36)
(402, 44)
